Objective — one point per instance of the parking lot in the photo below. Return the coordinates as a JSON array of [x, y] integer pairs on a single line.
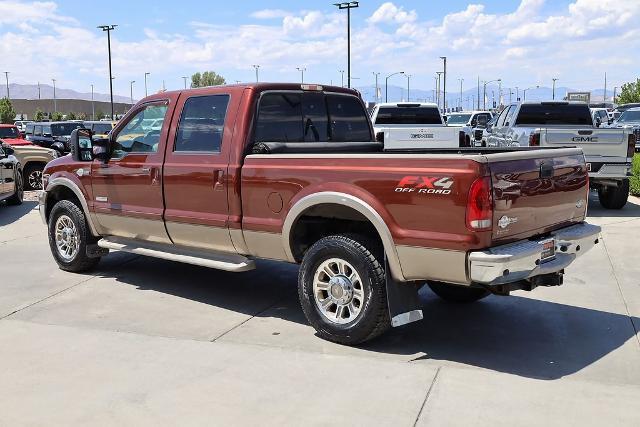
[[147, 340]]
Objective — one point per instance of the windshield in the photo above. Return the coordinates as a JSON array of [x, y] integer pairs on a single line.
[[555, 114], [629, 116], [9, 132], [408, 116], [62, 129], [458, 119]]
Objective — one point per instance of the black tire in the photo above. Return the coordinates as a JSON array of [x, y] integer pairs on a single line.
[[614, 197], [18, 196], [33, 176], [80, 261], [458, 294], [367, 260]]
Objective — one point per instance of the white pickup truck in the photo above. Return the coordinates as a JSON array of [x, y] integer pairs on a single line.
[[608, 152], [403, 126]]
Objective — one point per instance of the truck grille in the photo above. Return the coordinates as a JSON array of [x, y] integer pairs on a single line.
[[477, 134]]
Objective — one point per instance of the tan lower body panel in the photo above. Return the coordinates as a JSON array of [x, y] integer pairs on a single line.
[[433, 264], [133, 228], [265, 245], [200, 236]]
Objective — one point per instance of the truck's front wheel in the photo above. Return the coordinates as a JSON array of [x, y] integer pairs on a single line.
[[69, 236], [458, 294], [342, 290], [614, 197]]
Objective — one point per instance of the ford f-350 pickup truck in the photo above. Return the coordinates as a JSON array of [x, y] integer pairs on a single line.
[[608, 152], [292, 172]]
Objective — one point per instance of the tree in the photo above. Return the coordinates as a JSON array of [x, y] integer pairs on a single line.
[[71, 115], [208, 78], [99, 114], [7, 113], [57, 116], [82, 116], [39, 115], [630, 93]]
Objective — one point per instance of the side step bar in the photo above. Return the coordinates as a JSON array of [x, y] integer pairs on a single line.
[[205, 258]]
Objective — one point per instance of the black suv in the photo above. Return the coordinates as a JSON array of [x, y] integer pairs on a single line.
[[11, 185], [46, 134]]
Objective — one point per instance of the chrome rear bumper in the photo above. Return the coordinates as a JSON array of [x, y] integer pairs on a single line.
[[522, 260]]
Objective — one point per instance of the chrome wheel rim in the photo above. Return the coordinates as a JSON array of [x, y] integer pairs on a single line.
[[35, 180], [67, 238], [338, 291]]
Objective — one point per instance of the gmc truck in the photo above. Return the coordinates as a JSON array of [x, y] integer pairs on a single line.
[[293, 173], [405, 125], [608, 152]]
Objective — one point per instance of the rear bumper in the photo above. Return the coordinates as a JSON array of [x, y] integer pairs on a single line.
[[521, 260], [603, 170]]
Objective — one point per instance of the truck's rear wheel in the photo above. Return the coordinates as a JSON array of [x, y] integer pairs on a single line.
[[33, 176], [342, 290], [69, 236], [458, 294], [614, 197]]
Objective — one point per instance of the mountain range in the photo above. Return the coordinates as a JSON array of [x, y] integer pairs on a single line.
[[19, 91]]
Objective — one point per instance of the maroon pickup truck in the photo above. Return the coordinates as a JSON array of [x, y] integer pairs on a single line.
[[223, 175]]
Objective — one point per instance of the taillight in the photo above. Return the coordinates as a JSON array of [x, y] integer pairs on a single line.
[[631, 148], [480, 205], [534, 139]]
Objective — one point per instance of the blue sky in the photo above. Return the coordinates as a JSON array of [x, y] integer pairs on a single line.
[[525, 42]]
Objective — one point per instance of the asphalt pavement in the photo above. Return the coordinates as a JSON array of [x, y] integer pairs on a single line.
[[150, 342]]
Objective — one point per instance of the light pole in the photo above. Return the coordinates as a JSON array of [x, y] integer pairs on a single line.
[[348, 5], [525, 91], [438, 86], [38, 90], [342, 77], [408, 86], [461, 81], [386, 85], [444, 91], [131, 83], [376, 94], [93, 108], [6, 76], [55, 101], [145, 84], [517, 94], [478, 93], [184, 78], [499, 93], [553, 91], [484, 93], [256, 67], [302, 70], [615, 89], [108, 29], [605, 87]]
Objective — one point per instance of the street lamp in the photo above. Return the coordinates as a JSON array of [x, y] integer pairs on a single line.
[[184, 78], [342, 77], [348, 5], [438, 86], [55, 101], [386, 85], [408, 86], [131, 83], [256, 67], [302, 70], [93, 108], [525, 91], [6, 76], [615, 89], [484, 93], [553, 91], [444, 92], [461, 81], [376, 94], [108, 29], [145, 84]]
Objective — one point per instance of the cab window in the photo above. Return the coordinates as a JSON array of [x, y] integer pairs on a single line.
[[37, 131], [201, 124], [142, 133]]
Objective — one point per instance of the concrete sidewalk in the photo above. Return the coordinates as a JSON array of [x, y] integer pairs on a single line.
[[144, 341]]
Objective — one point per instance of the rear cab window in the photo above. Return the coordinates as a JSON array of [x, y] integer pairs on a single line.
[[408, 116], [201, 124], [554, 114]]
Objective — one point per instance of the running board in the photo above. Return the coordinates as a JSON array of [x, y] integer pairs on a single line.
[[204, 258]]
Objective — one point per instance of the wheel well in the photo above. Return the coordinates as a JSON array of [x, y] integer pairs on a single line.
[[35, 163], [325, 220], [58, 193]]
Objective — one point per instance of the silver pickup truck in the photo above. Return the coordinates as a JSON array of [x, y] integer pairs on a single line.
[[608, 152]]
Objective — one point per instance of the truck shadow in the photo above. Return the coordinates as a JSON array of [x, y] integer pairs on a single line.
[[516, 335], [630, 210], [10, 214]]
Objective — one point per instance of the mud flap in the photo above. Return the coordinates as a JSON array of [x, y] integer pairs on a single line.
[[403, 300]]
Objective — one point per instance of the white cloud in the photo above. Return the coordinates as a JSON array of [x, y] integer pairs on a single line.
[[390, 13], [270, 14]]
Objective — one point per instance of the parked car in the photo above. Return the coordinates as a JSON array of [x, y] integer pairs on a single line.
[[22, 125], [468, 121], [413, 126], [53, 135], [600, 117], [569, 123], [99, 128], [630, 119], [481, 132], [33, 159], [11, 188], [624, 107], [11, 135], [292, 173]]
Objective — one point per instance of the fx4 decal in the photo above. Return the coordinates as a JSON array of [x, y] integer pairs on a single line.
[[425, 185]]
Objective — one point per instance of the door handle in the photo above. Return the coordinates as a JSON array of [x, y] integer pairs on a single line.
[[218, 180], [146, 171]]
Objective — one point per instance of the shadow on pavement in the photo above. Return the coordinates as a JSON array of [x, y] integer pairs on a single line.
[[10, 214], [630, 210], [516, 335]]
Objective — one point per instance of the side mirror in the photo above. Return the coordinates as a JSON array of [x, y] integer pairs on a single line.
[[8, 150], [81, 145], [482, 121], [598, 122], [380, 137]]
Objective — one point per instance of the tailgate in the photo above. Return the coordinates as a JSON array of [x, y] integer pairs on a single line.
[[594, 142], [537, 191], [421, 137]]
